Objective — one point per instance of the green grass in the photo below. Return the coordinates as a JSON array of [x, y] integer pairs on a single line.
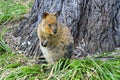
[[13, 9], [3, 46], [17, 66]]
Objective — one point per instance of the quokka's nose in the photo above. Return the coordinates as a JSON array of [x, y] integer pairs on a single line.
[[54, 31]]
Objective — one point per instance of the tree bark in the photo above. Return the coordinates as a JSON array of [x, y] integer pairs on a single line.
[[94, 24]]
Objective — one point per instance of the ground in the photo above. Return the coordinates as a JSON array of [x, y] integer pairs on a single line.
[[16, 66]]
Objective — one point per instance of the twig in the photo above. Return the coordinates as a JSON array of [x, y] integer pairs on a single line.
[[51, 73]]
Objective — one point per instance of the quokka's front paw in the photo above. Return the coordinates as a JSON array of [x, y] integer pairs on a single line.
[[44, 44]]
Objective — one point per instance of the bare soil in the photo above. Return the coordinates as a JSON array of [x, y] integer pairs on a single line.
[[8, 37]]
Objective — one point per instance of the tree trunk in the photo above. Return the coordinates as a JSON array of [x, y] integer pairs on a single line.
[[94, 24]]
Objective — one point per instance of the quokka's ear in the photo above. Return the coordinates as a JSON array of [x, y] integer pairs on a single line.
[[44, 14], [57, 13]]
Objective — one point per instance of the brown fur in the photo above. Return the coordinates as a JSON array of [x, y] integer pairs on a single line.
[[54, 45]]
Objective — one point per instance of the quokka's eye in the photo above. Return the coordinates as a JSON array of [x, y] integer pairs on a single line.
[[49, 25]]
